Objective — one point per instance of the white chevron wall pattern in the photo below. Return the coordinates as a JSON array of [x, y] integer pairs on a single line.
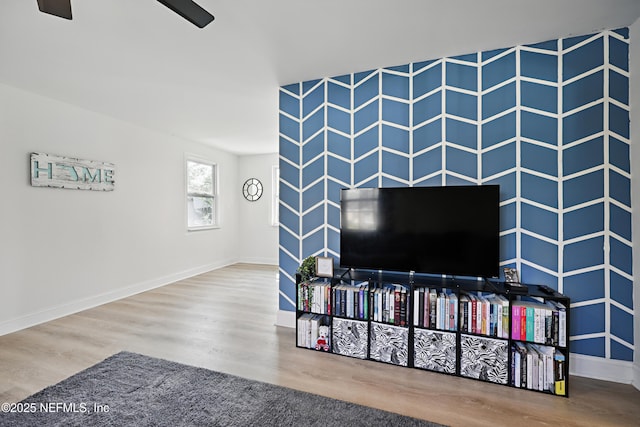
[[548, 122]]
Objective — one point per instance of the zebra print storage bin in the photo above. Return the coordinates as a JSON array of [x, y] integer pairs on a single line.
[[389, 344], [484, 358], [435, 350], [350, 338]]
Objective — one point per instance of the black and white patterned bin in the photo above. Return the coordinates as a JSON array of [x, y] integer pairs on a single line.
[[389, 344], [350, 338], [434, 350], [484, 359]]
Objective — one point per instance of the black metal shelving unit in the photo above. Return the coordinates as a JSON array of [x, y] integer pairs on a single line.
[[482, 356]]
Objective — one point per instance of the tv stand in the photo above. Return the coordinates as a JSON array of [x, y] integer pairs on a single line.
[[481, 329]]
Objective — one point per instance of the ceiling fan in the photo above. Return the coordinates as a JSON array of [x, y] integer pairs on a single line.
[[188, 9]]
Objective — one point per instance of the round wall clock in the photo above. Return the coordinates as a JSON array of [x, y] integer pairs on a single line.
[[252, 189]]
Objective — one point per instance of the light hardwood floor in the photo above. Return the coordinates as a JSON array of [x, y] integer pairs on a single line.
[[224, 320]]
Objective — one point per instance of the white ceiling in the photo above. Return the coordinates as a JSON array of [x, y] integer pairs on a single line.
[[137, 61]]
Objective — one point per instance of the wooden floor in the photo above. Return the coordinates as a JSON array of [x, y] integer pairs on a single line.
[[224, 320]]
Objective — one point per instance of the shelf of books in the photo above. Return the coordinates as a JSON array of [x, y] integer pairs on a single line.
[[539, 344], [350, 324], [471, 329], [313, 315], [389, 331], [435, 314]]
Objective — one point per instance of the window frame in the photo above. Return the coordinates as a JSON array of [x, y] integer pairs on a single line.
[[215, 197]]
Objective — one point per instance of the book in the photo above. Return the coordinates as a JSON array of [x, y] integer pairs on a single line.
[[464, 313], [505, 316], [473, 314], [515, 371], [418, 307], [529, 375], [433, 297], [515, 322], [441, 310], [365, 301], [495, 323], [444, 322], [562, 324], [426, 314], [559, 375], [483, 306], [314, 323], [523, 322], [529, 323], [397, 305], [453, 312], [391, 304], [329, 307], [522, 351], [403, 307]]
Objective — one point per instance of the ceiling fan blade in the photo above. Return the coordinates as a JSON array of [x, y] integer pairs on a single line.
[[190, 11], [61, 8]]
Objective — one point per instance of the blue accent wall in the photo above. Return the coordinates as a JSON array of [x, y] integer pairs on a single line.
[[547, 122]]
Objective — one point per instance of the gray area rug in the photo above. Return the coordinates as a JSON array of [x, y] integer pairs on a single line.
[[130, 389]]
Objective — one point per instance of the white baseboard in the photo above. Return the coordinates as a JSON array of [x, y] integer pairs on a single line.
[[636, 375], [263, 261], [602, 369], [286, 319], [62, 310]]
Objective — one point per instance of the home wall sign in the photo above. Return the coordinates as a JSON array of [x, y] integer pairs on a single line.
[[65, 172]]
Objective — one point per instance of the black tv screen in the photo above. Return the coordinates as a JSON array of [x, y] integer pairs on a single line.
[[452, 230]]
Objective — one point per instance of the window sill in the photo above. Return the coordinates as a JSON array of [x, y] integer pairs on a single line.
[[203, 228]]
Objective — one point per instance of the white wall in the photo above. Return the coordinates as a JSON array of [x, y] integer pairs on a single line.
[[634, 97], [66, 250], [259, 238]]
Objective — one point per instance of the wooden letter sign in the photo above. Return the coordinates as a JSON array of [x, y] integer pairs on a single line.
[[65, 172]]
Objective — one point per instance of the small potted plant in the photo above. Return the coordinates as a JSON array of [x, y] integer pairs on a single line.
[[307, 269]]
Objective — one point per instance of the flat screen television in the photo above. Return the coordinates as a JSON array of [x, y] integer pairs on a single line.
[[451, 230]]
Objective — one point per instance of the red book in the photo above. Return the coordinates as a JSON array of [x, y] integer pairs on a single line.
[[523, 322], [515, 322], [474, 314]]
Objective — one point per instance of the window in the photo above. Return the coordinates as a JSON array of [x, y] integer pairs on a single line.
[[275, 196], [201, 195]]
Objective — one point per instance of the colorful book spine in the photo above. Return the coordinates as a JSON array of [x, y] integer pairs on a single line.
[[453, 311], [474, 314], [505, 317], [530, 323], [418, 307], [559, 374], [515, 322]]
